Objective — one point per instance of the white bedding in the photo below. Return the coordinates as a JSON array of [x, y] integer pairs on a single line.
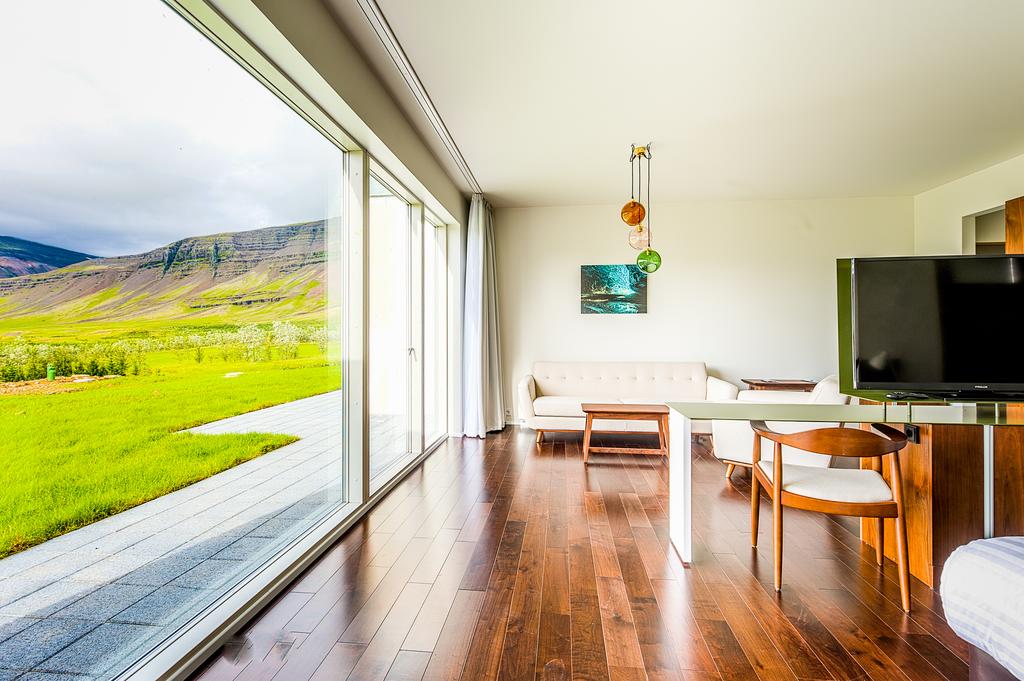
[[983, 596]]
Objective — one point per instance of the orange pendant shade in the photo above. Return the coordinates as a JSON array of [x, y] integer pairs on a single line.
[[633, 213]]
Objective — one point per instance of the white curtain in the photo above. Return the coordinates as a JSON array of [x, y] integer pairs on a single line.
[[483, 407]]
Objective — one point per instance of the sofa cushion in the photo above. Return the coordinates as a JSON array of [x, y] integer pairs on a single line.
[[565, 405], [652, 400], [609, 381]]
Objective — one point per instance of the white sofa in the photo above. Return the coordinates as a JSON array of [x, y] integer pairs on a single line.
[[549, 399], [733, 441]]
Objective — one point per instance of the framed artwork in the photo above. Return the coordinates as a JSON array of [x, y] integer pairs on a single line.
[[612, 289]]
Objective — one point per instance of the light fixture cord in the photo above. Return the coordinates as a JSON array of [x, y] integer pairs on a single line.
[[650, 241], [640, 180]]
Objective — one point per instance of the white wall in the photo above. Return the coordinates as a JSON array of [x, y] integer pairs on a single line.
[[940, 212], [747, 287], [991, 227]]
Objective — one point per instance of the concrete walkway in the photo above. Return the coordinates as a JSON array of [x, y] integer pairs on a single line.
[[86, 604]]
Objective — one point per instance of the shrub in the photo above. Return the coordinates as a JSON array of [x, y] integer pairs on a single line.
[[287, 337]]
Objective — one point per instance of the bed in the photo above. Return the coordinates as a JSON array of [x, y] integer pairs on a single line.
[[983, 597]]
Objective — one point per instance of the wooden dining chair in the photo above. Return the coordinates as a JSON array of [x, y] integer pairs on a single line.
[[839, 491]]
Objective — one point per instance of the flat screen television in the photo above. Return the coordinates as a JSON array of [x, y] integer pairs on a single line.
[[946, 327]]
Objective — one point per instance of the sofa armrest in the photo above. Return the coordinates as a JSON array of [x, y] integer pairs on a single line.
[[526, 393], [774, 396], [720, 391]]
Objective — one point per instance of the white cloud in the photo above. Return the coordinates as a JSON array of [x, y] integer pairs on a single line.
[[123, 128]]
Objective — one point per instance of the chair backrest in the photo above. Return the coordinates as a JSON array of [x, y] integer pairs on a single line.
[[852, 442]]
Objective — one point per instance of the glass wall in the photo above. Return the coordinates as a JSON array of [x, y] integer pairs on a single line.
[[188, 294], [170, 336]]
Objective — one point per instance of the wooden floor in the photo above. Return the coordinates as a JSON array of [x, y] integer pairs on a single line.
[[507, 560]]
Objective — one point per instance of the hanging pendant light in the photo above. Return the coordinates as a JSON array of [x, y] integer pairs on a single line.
[[638, 238], [649, 260], [633, 212]]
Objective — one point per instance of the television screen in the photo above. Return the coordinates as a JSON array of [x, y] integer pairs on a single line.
[[945, 325]]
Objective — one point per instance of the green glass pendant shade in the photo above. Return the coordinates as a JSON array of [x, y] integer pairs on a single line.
[[648, 261]]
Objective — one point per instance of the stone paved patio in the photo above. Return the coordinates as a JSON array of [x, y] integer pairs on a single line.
[[82, 605]]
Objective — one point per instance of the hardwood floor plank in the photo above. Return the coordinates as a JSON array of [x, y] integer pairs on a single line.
[[726, 650], [589, 661], [554, 648], [364, 624], [353, 575], [869, 656], [479, 571], [431, 619], [688, 644], [620, 638], [435, 558], [602, 541], [409, 665], [635, 513], [519, 647], [453, 644], [382, 650], [786, 638], [651, 632], [486, 650], [339, 662]]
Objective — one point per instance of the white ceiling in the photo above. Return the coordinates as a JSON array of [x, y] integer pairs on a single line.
[[741, 98]]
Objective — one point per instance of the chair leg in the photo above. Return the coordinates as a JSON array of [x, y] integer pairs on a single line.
[[777, 532], [540, 436], [880, 540], [903, 562], [755, 507], [729, 468]]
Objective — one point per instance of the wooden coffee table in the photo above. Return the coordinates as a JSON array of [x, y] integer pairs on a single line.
[[626, 412]]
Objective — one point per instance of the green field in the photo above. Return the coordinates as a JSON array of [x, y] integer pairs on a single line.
[[70, 458]]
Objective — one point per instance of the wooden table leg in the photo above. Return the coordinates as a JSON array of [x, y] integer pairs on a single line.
[[664, 428], [586, 438]]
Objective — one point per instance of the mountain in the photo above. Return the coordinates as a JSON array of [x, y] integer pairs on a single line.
[[257, 275], [20, 256]]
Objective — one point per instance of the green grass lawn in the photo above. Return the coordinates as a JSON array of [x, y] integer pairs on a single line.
[[69, 459]]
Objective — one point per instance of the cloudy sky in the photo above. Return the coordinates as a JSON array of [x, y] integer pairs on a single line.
[[123, 129]]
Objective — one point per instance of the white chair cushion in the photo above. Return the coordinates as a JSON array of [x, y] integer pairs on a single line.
[[855, 486], [827, 392], [565, 405]]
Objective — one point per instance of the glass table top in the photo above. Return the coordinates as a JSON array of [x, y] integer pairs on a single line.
[[980, 414]]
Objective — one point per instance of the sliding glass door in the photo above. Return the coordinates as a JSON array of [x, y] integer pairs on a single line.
[[393, 352]]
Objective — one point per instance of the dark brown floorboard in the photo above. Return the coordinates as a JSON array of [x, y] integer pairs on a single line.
[[503, 559]]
